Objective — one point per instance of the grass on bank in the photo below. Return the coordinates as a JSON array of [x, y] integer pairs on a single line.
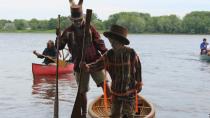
[[29, 31], [100, 31]]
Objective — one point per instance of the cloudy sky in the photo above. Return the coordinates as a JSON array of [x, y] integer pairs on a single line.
[[45, 9]]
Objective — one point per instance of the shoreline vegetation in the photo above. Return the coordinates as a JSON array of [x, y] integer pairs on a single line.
[[196, 22], [101, 32]]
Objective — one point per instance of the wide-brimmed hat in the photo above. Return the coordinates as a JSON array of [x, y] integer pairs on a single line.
[[118, 33], [76, 12]]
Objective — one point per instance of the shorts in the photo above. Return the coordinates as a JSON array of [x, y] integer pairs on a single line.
[[98, 78]]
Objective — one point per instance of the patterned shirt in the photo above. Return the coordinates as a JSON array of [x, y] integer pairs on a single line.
[[123, 66]]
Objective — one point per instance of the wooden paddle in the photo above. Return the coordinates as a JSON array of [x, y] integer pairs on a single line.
[[56, 102], [76, 113], [61, 63]]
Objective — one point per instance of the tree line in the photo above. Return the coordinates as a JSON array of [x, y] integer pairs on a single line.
[[197, 22]]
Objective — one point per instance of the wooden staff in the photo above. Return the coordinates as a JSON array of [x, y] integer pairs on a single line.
[[76, 113], [56, 103]]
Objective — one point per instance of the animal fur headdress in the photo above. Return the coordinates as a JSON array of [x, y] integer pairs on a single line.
[[76, 9]]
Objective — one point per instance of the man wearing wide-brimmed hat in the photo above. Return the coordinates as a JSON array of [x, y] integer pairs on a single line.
[[124, 68], [73, 36]]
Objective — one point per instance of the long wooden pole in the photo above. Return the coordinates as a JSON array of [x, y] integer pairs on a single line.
[[56, 104], [76, 112]]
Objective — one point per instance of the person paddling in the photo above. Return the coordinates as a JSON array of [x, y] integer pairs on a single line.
[[50, 51], [203, 46]]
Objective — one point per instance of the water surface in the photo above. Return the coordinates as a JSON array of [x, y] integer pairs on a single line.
[[175, 80]]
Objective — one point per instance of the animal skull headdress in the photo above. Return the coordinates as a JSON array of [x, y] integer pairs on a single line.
[[76, 9], [72, 3]]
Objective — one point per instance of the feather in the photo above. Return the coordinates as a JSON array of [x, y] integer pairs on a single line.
[[71, 2], [80, 2]]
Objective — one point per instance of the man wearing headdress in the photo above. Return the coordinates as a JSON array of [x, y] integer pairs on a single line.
[[73, 36], [124, 68]]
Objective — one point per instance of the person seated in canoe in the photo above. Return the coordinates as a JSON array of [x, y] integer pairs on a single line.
[[203, 46], [48, 54], [124, 67]]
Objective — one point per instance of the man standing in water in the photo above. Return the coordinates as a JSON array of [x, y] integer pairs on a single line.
[[73, 36], [124, 68]]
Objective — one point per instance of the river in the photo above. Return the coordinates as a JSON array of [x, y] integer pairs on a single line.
[[175, 80]]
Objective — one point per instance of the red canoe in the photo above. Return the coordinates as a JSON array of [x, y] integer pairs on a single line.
[[40, 69]]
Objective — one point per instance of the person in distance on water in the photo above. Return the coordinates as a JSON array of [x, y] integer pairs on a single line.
[[203, 46], [50, 51]]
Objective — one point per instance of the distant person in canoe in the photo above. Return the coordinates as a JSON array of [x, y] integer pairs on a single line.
[[50, 51], [203, 46], [124, 67], [73, 37]]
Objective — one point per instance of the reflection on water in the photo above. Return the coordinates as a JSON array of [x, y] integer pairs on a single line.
[[175, 80], [44, 86]]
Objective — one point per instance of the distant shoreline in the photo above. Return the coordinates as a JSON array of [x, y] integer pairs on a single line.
[[29, 31], [196, 22], [100, 31]]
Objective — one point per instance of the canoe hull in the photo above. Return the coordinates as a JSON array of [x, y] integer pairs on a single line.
[[205, 57], [39, 69], [97, 110]]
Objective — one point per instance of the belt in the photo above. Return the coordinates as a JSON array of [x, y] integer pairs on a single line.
[[125, 93]]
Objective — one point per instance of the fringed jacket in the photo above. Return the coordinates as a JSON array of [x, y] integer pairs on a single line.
[[124, 68], [73, 37]]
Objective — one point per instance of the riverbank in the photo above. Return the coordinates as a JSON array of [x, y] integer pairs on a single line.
[[100, 31], [29, 31]]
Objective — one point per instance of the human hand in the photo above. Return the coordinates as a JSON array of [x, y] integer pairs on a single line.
[[84, 66], [139, 86], [34, 52], [57, 31]]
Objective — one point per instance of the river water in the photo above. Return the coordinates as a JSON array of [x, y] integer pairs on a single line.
[[175, 80]]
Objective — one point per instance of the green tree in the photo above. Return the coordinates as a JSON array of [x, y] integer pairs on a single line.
[[10, 27], [42, 25], [52, 23], [166, 24], [135, 22], [38, 24], [21, 24], [197, 22], [65, 22], [97, 22], [3, 22], [33, 23]]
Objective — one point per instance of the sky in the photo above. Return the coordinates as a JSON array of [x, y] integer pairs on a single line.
[[46, 9]]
